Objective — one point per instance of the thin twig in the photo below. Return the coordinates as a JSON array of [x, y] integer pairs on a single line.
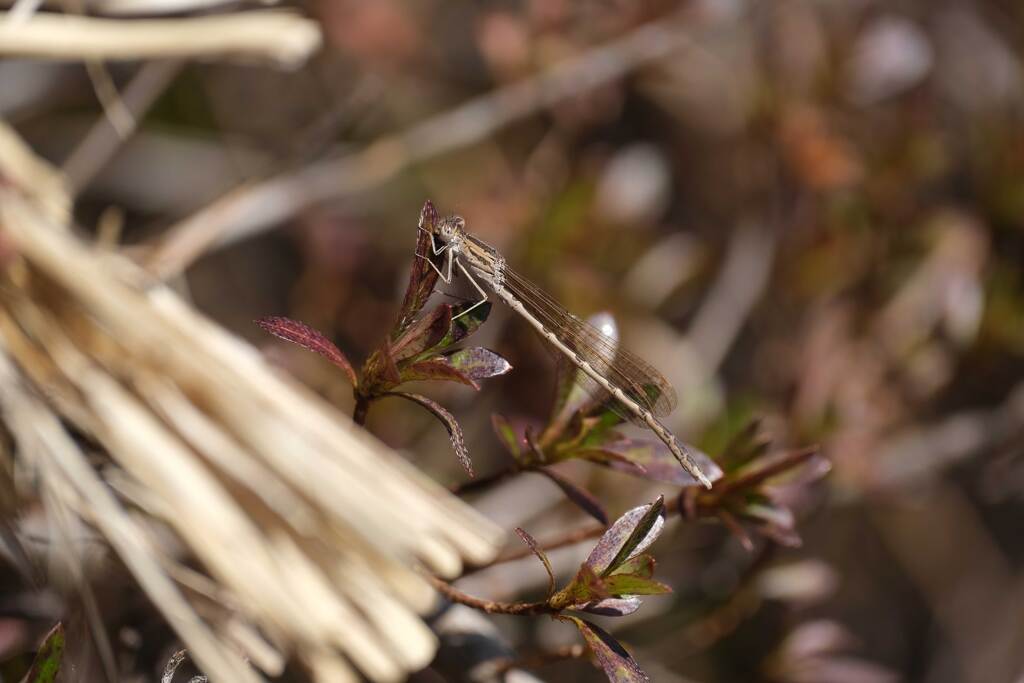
[[489, 606], [252, 209], [570, 537], [105, 137]]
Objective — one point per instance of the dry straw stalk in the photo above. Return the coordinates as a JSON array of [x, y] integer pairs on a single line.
[[310, 529]]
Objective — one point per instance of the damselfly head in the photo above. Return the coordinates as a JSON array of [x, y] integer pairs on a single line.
[[449, 227]]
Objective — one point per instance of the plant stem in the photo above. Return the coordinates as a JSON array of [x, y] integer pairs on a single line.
[[361, 409], [489, 606]]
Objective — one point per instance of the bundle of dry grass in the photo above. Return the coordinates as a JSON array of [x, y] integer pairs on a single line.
[[309, 531]]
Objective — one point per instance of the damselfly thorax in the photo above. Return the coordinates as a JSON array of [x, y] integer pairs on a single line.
[[640, 391]]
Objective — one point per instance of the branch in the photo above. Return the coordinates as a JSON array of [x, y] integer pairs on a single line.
[[105, 138], [489, 606]]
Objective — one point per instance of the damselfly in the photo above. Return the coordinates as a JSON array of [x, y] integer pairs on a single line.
[[630, 381]]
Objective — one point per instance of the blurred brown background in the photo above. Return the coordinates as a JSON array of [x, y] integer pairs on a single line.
[[806, 210]]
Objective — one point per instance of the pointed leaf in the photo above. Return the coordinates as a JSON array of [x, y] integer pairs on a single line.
[[478, 363], [584, 433], [736, 529], [585, 588], [46, 665], [631, 534], [611, 607], [506, 434], [422, 336], [465, 325], [436, 369], [640, 565], [653, 458], [531, 543], [438, 330], [580, 497], [446, 418], [748, 444], [628, 584], [607, 457], [768, 467], [422, 277], [618, 665], [309, 339]]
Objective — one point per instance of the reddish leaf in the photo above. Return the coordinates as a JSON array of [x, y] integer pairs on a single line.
[[436, 369], [736, 530], [438, 330], [631, 534], [446, 418], [531, 543], [424, 334], [618, 665], [611, 607], [653, 458], [581, 497], [309, 339], [422, 277], [478, 363]]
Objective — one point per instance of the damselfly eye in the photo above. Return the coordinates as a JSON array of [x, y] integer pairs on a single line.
[[450, 225]]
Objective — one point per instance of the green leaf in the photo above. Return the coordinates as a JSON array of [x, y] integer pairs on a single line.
[[630, 584], [531, 543], [640, 565], [47, 662], [618, 665], [584, 433]]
